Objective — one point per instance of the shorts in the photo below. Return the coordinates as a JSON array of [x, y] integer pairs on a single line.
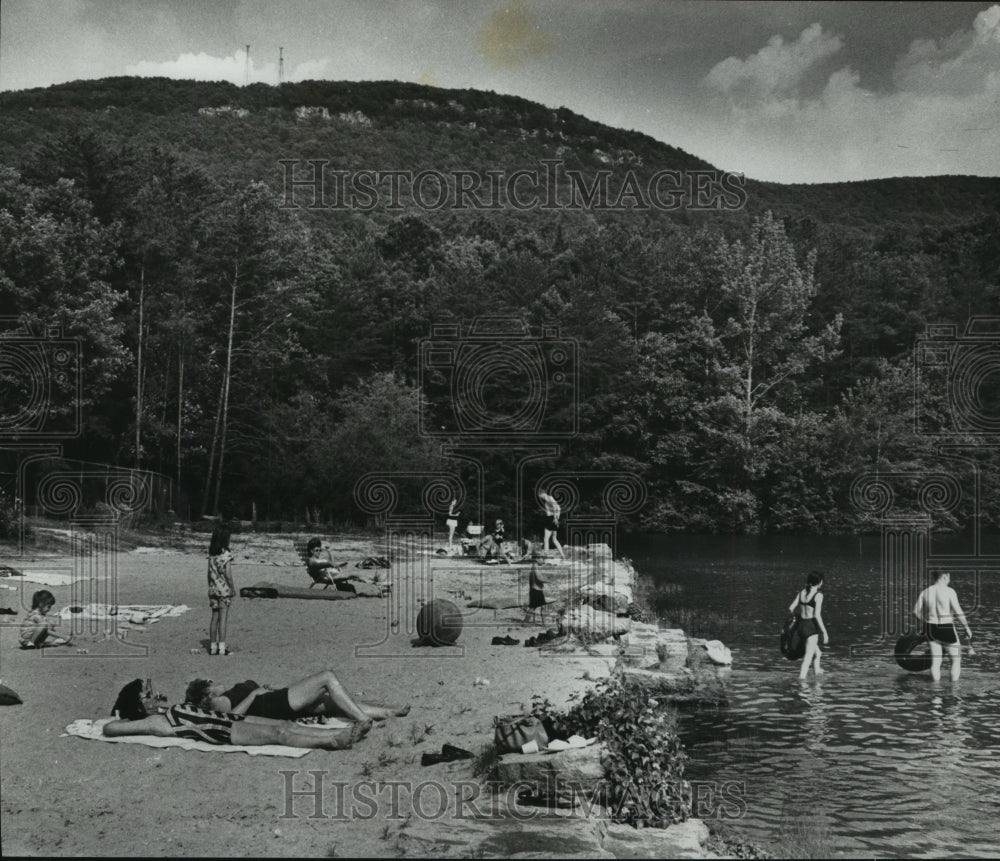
[[451, 523], [808, 628], [274, 705], [550, 524], [946, 635], [201, 724]]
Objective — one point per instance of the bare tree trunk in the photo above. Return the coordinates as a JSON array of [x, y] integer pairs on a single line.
[[211, 455], [139, 371], [180, 416], [163, 414], [226, 379]]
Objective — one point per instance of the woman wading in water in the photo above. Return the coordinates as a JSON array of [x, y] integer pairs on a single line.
[[809, 602]]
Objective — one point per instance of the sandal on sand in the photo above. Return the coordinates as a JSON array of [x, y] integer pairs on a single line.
[[449, 753]]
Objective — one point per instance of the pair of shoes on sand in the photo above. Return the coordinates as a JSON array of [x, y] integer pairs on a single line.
[[504, 641], [449, 753]]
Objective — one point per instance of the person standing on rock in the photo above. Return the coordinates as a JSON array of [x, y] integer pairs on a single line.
[[452, 522], [551, 527], [809, 602], [938, 606]]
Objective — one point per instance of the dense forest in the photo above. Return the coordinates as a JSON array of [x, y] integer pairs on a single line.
[[749, 364]]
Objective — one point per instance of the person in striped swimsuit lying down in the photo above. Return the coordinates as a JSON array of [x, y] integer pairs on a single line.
[[197, 724]]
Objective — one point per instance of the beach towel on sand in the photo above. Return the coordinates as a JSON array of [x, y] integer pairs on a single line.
[[92, 729], [124, 614]]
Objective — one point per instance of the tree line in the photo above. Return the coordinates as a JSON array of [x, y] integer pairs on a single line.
[[747, 365]]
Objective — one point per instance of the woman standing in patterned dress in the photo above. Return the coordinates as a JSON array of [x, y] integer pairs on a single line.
[[220, 583]]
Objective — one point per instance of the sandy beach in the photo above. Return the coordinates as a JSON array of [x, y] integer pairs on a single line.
[[70, 796]]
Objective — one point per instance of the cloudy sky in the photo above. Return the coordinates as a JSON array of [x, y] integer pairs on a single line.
[[790, 92]]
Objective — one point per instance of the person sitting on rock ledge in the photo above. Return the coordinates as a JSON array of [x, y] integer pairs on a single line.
[[492, 545], [197, 724], [318, 694]]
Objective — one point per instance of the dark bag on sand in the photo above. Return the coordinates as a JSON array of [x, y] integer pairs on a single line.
[[793, 646], [9, 697], [129, 705], [510, 734]]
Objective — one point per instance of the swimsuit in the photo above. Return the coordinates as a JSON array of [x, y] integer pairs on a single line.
[[273, 704], [808, 627], [946, 635], [201, 724]]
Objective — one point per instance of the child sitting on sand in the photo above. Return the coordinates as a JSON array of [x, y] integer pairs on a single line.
[[35, 629]]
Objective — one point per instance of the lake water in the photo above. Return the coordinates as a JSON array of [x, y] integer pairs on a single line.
[[874, 760]]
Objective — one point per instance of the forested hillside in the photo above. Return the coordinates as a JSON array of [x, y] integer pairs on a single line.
[[748, 363]]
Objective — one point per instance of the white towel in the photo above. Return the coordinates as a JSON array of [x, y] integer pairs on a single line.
[[52, 578], [130, 614], [92, 729]]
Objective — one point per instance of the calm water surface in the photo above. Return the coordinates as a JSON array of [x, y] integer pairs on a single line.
[[884, 762]]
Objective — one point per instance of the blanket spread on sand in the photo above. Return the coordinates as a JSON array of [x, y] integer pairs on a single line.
[[92, 729], [125, 614], [53, 578]]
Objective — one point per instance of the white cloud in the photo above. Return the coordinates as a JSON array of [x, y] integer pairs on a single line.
[[311, 70], [776, 69], [205, 67], [960, 65], [202, 67], [942, 116]]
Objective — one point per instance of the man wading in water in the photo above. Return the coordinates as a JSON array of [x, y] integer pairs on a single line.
[[938, 606]]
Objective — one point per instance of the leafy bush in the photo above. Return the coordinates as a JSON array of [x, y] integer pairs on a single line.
[[644, 766]]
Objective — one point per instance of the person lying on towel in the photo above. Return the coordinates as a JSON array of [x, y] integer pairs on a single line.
[[197, 724], [318, 694]]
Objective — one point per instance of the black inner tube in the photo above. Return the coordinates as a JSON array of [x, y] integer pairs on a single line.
[[911, 653]]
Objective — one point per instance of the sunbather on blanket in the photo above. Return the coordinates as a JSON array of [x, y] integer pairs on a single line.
[[190, 722], [318, 694]]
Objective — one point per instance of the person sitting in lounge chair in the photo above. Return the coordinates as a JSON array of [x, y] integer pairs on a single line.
[[320, 565], [491, 544]]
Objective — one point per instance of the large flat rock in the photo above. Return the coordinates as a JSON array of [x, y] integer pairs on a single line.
[[695, 689], [683, 840]]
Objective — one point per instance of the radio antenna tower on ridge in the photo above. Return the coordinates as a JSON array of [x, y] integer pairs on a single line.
[[246, 68], [281, 66]]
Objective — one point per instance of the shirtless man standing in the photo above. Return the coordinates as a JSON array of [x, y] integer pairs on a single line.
[[550, 530], [938, 606]]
